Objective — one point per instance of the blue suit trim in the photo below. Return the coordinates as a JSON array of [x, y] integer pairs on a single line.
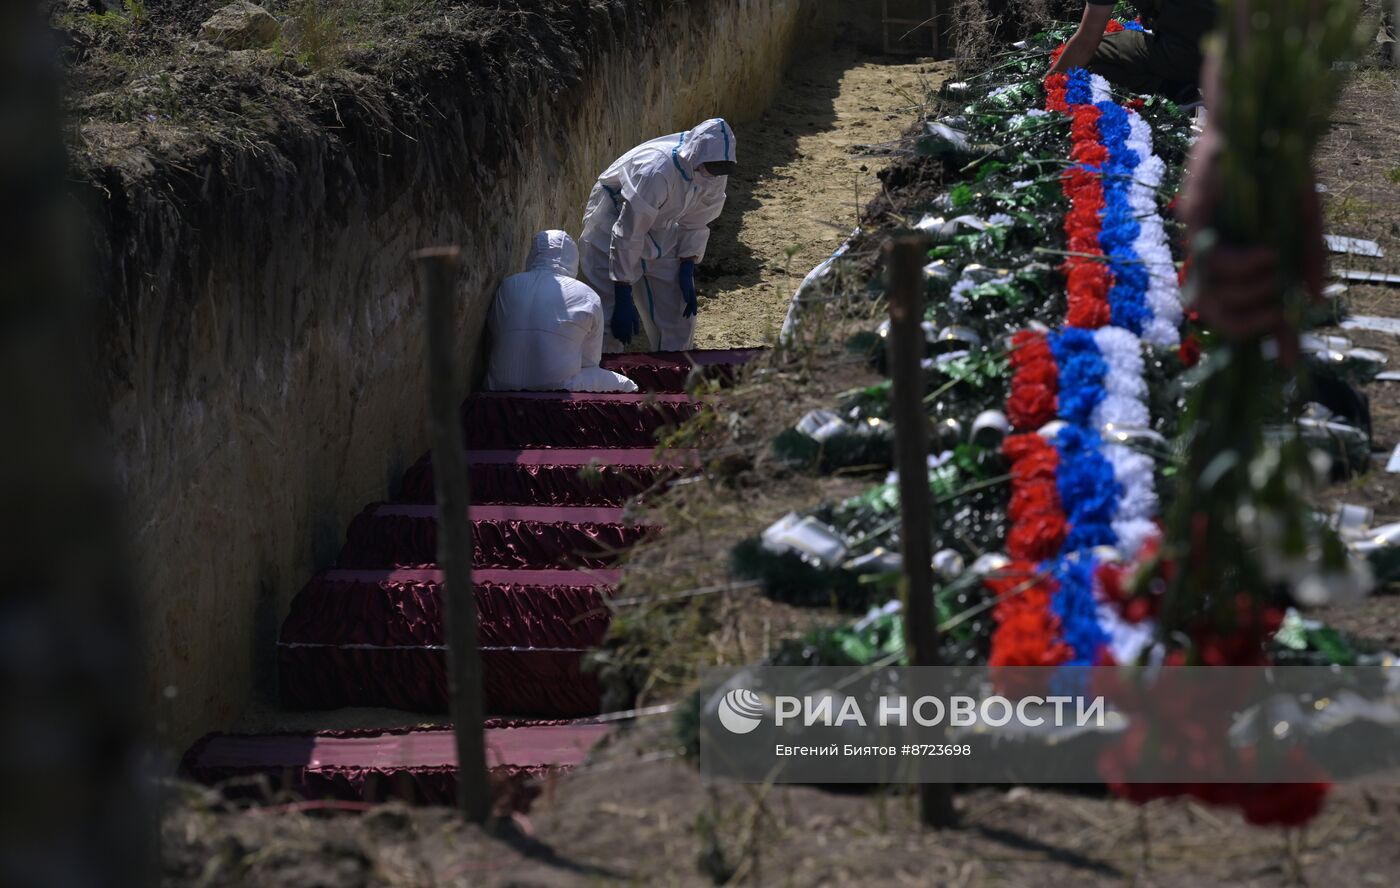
[[676, 158], [613, 194]]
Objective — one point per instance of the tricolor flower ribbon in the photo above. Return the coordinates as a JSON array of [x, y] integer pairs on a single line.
[[1120, 269], [1072, 491], [1075, 492]]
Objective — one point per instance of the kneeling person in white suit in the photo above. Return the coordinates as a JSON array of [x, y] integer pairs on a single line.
[[646, 228], [547, 327]]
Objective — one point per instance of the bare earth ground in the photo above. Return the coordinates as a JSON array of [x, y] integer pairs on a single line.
[[806, 170], [1360, 167], [637, 814]]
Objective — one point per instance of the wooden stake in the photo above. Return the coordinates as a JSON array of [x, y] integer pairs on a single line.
[[437, 273], [905, 259]]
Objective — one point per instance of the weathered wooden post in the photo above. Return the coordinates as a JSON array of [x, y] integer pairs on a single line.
[[904, 259], [437, 272]]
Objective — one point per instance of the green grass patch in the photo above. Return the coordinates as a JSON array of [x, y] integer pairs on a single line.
[[321, 34], [116, 22], [1346, 208]]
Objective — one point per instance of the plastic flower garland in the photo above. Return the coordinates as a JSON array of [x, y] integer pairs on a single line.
[[1118, 272], [1120, 269], [1083, 507], [1094, 380], [1078, 612]]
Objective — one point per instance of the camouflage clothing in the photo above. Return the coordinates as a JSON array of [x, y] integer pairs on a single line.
[[1167, 61]]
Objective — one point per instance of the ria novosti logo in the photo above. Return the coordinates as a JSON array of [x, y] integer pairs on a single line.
[[741, 711]]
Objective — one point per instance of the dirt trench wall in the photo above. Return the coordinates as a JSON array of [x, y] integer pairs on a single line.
[[264, 349]]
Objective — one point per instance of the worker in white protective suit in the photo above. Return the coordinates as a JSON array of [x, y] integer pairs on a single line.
[[547, 326], [646, 227]]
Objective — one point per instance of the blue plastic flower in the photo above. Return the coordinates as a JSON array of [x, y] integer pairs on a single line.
[[1127, 299], [1078, 90], [1081, 371], [1075, 606], [1087, 487]]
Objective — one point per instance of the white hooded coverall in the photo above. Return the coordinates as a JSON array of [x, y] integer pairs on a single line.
[[547, 327], [649, 210]]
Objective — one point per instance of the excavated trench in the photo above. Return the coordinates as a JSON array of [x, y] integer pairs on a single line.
[[263, 330], [263, 340], [818, 147]]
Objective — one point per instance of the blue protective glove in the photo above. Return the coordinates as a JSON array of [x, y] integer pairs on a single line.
[[687, 282], [626, 323]]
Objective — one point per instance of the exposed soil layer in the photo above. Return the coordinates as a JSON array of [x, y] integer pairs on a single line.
[[150, 95], [809, 169]]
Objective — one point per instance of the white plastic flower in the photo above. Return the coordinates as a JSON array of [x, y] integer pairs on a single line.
[[1099, 89]]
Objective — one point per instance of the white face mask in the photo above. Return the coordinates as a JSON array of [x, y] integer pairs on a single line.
[[704, 172]]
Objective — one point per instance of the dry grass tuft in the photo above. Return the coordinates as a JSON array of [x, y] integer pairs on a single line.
[[983, 28], [681, 611]]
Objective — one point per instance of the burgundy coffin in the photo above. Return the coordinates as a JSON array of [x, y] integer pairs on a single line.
[[505, 420], [374, 638], [669, 371], [520, 537], [372, 766], [554, 476]]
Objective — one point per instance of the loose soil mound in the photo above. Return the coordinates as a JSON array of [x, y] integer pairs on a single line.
[[146, 91]]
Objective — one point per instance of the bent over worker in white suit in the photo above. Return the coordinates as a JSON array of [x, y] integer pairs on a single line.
[[547, 327], [646, 228]]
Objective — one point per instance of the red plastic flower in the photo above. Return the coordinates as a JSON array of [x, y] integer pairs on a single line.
[[1032, 499], [1027, 632], [1034, 381], [1031, 405], [1037, 538], [1190, 350], [1055, 86], [1038, 525]]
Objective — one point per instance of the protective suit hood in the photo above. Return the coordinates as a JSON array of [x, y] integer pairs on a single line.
[[711, 140], [553, 251]]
